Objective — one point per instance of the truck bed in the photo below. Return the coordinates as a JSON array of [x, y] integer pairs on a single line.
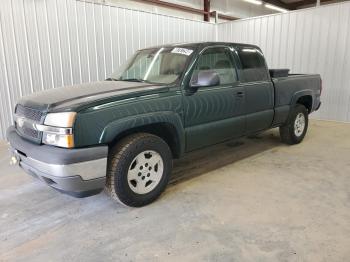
[[287, 87]]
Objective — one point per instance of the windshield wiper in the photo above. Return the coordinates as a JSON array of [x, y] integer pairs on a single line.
[[133, 80], [111, 79]]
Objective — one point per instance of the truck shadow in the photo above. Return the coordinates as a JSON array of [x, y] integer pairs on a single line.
[[202, 161]]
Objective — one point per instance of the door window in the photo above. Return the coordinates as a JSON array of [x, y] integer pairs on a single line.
[[217, 59]]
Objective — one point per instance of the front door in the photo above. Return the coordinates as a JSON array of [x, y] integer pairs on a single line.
[[216, 113]]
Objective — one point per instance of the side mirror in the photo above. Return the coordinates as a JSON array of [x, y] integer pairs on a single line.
[[205, 78]]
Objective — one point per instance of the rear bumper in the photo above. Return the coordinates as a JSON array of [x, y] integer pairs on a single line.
[[77, 172]]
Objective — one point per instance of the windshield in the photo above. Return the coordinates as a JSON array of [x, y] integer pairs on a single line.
[[158, 65]]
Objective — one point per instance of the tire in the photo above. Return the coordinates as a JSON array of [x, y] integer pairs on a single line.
[[294, 131], [139, 167]]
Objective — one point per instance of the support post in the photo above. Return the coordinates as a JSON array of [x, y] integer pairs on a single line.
[[216, 17], [206, 4]]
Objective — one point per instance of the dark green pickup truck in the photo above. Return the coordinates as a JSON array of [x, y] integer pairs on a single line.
[[122, 133]]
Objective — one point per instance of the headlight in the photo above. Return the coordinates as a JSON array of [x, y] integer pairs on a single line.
[[57, 129], [65, 119]]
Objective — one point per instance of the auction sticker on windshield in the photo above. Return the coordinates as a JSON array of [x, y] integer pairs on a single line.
[[182, 51]]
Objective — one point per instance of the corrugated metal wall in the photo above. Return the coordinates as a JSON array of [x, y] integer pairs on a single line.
[[50, 43], [315, 40]]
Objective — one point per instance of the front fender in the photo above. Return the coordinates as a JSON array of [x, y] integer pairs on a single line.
[[113, 129]]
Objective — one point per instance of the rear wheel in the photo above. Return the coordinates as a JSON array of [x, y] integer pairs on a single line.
[[138, 170], [294, 131]]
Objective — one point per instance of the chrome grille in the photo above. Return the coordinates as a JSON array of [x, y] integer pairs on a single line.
[[32, 115], [30, 132], [29, 113]]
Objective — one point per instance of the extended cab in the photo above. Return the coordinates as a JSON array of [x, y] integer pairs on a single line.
[[122, 133]]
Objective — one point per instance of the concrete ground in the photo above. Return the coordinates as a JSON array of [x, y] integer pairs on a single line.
[[250, 200]]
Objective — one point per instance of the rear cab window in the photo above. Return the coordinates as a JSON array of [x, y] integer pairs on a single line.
[[253, 64]]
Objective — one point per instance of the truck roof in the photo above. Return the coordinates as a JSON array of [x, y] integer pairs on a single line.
[[201, 44]]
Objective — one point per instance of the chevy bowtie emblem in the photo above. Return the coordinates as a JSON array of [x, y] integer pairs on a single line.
[[20, 121]]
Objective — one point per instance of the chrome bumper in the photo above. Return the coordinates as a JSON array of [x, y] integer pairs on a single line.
[[78, 172]]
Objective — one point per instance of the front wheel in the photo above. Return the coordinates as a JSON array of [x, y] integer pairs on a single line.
[[294, 131], [139, 169]]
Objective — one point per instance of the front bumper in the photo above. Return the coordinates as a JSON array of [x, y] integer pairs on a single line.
[[77, 172]]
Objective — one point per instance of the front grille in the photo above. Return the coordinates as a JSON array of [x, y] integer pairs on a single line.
[[32, 114], [30, 132]]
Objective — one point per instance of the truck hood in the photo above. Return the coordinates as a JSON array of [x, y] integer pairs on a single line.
[[72, 97]]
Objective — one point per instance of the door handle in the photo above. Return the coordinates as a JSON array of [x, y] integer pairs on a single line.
[[240, 94]]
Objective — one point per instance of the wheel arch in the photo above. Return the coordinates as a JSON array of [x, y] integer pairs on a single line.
[[304, 98], [166, 125]]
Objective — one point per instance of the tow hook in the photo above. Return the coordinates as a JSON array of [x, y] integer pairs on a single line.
[[13, 161]]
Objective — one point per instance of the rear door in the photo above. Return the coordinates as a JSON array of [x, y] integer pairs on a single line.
[[216, 113], [258, 89]]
